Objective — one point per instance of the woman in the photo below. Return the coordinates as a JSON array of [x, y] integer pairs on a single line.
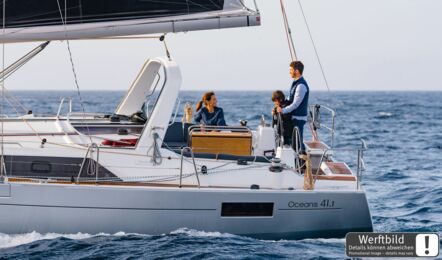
[[279, 100], [210, 114]]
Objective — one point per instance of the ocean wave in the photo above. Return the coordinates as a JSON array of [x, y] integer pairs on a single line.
[[13, 240], [7, 241], [383, 115], [418, 211], [325, 240], [198, 233]]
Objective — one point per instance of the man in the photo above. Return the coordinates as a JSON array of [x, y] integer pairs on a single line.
[[298, 100]]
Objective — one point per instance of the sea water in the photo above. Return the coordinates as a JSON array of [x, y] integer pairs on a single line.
[[403, 177]]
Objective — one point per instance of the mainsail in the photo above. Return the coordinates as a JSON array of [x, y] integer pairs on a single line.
[[43, 20]]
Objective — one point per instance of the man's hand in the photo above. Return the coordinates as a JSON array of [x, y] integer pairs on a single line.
[[279, 109]]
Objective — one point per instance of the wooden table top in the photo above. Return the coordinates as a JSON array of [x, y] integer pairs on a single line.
[[221, 134]]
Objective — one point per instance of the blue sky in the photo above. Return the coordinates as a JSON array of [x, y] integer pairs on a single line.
[[364, 45]]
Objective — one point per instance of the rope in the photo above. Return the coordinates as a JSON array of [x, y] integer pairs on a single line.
[[12, 99], [281, 129], [156, 154], [314, 45]]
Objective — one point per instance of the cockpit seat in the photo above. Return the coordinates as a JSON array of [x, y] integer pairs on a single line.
[[176, 136]]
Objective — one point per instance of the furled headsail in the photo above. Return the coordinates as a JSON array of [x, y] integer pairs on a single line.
[[42, 20]]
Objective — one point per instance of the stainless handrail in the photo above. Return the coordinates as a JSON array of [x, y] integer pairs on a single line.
[[89, 114], [17, 143], [176, 111], [330, 128], [194, 166], [158, 97], [361, 164], [150, 94], [296, 137], [256, 6], [60, 107], [3, 173]]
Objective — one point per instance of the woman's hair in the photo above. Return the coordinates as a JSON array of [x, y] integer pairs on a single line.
[[278, 96], [204, 100]]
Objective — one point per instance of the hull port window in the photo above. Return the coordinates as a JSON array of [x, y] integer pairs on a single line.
[[247, 210], [41, 167]]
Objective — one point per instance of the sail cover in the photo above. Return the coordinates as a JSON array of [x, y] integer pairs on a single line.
[[38, 20]]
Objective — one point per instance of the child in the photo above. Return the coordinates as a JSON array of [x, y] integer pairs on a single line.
[[286, 128]]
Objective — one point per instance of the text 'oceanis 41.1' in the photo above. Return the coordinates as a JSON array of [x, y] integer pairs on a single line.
[[147, 173]]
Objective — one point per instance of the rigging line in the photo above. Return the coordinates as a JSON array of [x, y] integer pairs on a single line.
[[18, 115], [2, 158], [64, 21], [314, 45], [10, 104], [163, 39], [15, 100], [188, 8], [15, 67], [26, 122], [288, 32]]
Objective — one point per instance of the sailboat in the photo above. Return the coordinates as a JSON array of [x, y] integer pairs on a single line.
[[146, 172]]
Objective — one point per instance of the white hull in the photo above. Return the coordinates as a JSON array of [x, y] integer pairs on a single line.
[[93, 209]]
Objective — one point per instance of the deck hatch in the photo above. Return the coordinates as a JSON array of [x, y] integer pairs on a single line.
[[247, 209]]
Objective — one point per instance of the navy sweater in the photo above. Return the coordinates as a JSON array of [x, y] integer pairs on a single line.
[[206, 118]]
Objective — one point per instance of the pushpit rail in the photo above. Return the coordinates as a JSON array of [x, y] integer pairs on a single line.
[[360, 165]]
